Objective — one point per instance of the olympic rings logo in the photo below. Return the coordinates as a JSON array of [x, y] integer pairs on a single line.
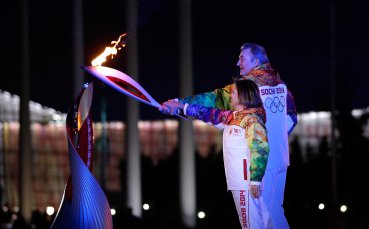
[[275, 104]]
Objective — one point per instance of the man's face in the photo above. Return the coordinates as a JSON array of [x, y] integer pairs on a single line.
[[246, 62]]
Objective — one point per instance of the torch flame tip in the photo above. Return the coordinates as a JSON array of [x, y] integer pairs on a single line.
[[110, 51]]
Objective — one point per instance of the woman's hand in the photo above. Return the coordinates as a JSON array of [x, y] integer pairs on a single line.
[[255, 191]]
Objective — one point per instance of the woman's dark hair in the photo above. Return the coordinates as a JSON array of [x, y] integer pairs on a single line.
[[248, 93]]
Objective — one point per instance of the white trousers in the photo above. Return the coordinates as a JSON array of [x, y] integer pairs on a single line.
[[274, 182], [251, 211]]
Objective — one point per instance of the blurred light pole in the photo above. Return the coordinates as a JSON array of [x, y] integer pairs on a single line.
[[134, 193], [333, 100], [25, 157], [78, 47], [186, 141]]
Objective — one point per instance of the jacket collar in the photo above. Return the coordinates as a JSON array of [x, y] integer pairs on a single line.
[[264, 75], [260, 112]]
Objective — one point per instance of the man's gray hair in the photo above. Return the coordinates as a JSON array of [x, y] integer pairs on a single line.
[[258, 51]]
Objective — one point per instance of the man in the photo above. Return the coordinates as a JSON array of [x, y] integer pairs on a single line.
[[281, 119]]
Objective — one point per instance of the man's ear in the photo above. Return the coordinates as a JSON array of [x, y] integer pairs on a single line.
[[257, 61]]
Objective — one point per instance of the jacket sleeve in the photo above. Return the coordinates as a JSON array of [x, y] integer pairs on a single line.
[[256, 136], [219, 98], [209, 115], [291, 113]]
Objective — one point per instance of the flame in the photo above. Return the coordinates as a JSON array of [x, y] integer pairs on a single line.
[[109, 51]]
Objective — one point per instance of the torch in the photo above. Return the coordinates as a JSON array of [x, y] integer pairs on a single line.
[[119, 80]]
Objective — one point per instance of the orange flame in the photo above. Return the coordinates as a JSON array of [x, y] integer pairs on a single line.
[[109, 51]]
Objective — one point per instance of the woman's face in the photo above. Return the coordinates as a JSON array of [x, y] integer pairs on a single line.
[[234, 97]]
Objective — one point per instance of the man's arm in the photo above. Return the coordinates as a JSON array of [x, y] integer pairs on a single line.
[[209, 115], [219, 98], [206, 114], [291, 112]]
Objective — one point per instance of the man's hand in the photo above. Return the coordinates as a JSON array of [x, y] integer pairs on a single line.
[[164, 109], [255, 191], [171, 107]]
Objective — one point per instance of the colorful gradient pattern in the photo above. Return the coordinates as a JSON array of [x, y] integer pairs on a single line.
[[84, 204]]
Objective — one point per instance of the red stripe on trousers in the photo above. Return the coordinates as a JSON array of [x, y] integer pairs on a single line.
[[244, 169]]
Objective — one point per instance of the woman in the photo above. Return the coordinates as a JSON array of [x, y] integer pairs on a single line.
[[245, 147]]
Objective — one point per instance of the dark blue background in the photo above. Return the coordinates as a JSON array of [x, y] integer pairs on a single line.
[[296, 35]]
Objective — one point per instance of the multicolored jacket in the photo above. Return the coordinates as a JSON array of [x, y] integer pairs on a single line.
[[278, 104], [245, 143], [262, 75]]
